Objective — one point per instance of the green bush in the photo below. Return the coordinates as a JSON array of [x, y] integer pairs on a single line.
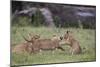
[[38, 19], [21, 21]]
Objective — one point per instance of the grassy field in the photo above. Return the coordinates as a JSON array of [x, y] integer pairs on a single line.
[[86, 37]]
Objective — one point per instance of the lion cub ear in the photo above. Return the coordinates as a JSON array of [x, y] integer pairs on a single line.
[[67, 31]]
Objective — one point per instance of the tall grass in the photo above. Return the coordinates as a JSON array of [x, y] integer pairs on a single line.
[[86, 37]]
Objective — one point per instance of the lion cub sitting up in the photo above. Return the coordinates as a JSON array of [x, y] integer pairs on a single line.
[[72, 42]]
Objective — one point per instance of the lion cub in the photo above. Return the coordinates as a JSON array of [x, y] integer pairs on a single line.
[[72, 42]]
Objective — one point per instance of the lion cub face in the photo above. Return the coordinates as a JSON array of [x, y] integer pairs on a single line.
[[57, 38], [66, 38]]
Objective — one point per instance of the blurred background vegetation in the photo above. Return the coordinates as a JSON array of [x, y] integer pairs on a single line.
[[58, 15]]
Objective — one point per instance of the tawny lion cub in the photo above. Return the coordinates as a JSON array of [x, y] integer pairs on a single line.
[[45, 44], [26, 46], [72, 42]]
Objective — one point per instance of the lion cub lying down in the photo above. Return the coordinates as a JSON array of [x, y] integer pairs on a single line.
[[45, 44], [25, 46]]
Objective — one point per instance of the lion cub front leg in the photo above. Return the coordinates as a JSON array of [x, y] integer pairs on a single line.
[[72, 51]]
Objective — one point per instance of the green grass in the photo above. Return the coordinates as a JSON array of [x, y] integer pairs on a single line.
[[86, 37]]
